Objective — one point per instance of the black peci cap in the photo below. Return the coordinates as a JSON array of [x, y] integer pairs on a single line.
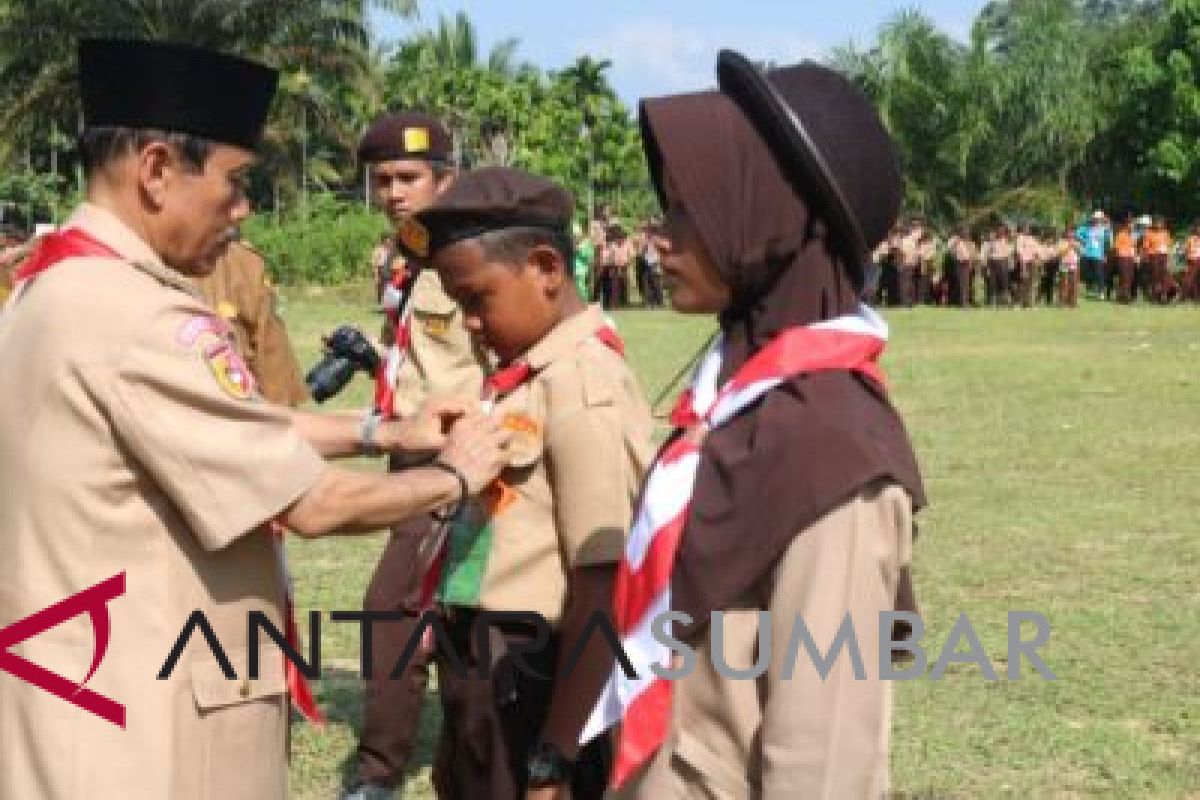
[[176, 88]]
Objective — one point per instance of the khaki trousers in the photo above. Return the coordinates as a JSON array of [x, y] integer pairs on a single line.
[[804, 736]]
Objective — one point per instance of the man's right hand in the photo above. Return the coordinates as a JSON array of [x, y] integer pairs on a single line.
[[476, 447]]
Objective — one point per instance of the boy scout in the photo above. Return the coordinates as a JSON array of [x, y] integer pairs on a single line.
[[240, 291], [962, 275], [139, 457], [408, 157], [548, 536], [998, 257]]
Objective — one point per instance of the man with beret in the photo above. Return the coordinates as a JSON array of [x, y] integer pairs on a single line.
[[150, 472], [546, 538], [408, 156], [239, 290]]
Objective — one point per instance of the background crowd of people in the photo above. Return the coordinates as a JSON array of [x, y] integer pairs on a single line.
[[1026, 265]]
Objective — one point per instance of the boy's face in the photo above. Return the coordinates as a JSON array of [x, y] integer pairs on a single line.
[[507, 308], [406, 186]]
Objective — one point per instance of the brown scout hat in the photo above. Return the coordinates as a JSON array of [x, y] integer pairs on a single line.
[[829, 142], [486, 200], [409, 134], [174, 88]]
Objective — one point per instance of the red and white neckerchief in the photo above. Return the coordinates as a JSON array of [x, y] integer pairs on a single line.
[[298, 687], [643, 585], [496, 386], [397, 305]]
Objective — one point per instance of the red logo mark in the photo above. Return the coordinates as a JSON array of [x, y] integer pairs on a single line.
[[94, 602]]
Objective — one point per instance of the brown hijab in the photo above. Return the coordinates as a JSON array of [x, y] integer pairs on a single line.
[[810, 444]]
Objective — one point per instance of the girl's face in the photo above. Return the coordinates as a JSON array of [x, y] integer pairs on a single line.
[[689, 274]]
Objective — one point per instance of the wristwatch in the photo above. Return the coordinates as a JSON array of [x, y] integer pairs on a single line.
[[547, 766], [367, 441]]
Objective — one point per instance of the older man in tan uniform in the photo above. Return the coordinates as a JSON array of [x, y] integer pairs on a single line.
[[239, 290], [140, 458]]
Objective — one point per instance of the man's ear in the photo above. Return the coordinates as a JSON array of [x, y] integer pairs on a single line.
[[156, 167], [549, 265]]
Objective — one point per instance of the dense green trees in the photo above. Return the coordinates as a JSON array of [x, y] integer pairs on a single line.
[[1049, 106]]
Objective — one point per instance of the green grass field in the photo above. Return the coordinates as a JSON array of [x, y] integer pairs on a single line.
[[1061, 453]]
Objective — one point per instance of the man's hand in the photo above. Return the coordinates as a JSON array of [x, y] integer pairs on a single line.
[[549, 793], [425, 431], [476, 447]]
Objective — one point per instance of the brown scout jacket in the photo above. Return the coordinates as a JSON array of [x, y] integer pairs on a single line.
[[240, 291]]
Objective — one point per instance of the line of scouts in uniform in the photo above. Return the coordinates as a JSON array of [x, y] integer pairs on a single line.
[[1021, 266], [485, 304]]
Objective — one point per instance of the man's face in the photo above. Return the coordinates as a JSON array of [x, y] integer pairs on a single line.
[[507, 308], [404, 187], [202, 208]]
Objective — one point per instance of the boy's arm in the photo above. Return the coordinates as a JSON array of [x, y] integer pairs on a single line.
[[576, 693], [594, 476]]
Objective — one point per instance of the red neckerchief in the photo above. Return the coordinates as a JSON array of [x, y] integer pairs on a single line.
[[54, 248]]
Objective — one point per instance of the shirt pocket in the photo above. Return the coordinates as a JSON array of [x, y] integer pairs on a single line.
[[240, 738], [433, 314]]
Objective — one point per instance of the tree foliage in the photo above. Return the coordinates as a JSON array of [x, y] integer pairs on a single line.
[[1049, 106]]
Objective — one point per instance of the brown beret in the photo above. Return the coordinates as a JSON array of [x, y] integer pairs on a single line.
[[409, 134], [486, 200]]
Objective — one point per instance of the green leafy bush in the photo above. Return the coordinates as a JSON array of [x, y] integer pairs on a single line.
[[329, 245]]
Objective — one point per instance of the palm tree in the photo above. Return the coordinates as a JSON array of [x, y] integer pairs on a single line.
[[37, 43]]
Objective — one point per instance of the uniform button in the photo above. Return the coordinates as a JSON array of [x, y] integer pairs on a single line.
[[244, 689]]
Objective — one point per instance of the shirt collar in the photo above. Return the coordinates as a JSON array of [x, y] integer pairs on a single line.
[[108, 228], [565, 337]]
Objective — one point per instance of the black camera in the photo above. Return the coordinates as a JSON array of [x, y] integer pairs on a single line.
[[346, 351]]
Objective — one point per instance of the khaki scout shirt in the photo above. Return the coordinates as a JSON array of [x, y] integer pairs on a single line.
[[910, 250], [581, 447], [962, 250], [128, 445], [999, 250], [442, 359], [240, 291]]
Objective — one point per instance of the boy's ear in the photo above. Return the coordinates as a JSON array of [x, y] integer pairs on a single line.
[[549, 264]]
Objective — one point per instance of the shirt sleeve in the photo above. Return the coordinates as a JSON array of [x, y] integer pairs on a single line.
[[591, 479], [181, 402]]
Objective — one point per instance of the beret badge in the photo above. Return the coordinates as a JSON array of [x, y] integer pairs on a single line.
[[415, 237], [416, 140]]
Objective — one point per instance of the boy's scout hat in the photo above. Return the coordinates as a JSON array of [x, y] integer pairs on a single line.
[[175, 88], [486, 200], [829, 142], [409, 134]]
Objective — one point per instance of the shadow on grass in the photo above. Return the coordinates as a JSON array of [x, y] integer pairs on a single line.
[[340, 696]]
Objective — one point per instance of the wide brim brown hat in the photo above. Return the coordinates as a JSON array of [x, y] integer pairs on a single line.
[[829, 142]]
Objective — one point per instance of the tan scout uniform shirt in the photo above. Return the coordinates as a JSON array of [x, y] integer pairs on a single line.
[[962, 250], [910, 250], [240, 291], [122, 452], [581, 448], [442, 359]]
